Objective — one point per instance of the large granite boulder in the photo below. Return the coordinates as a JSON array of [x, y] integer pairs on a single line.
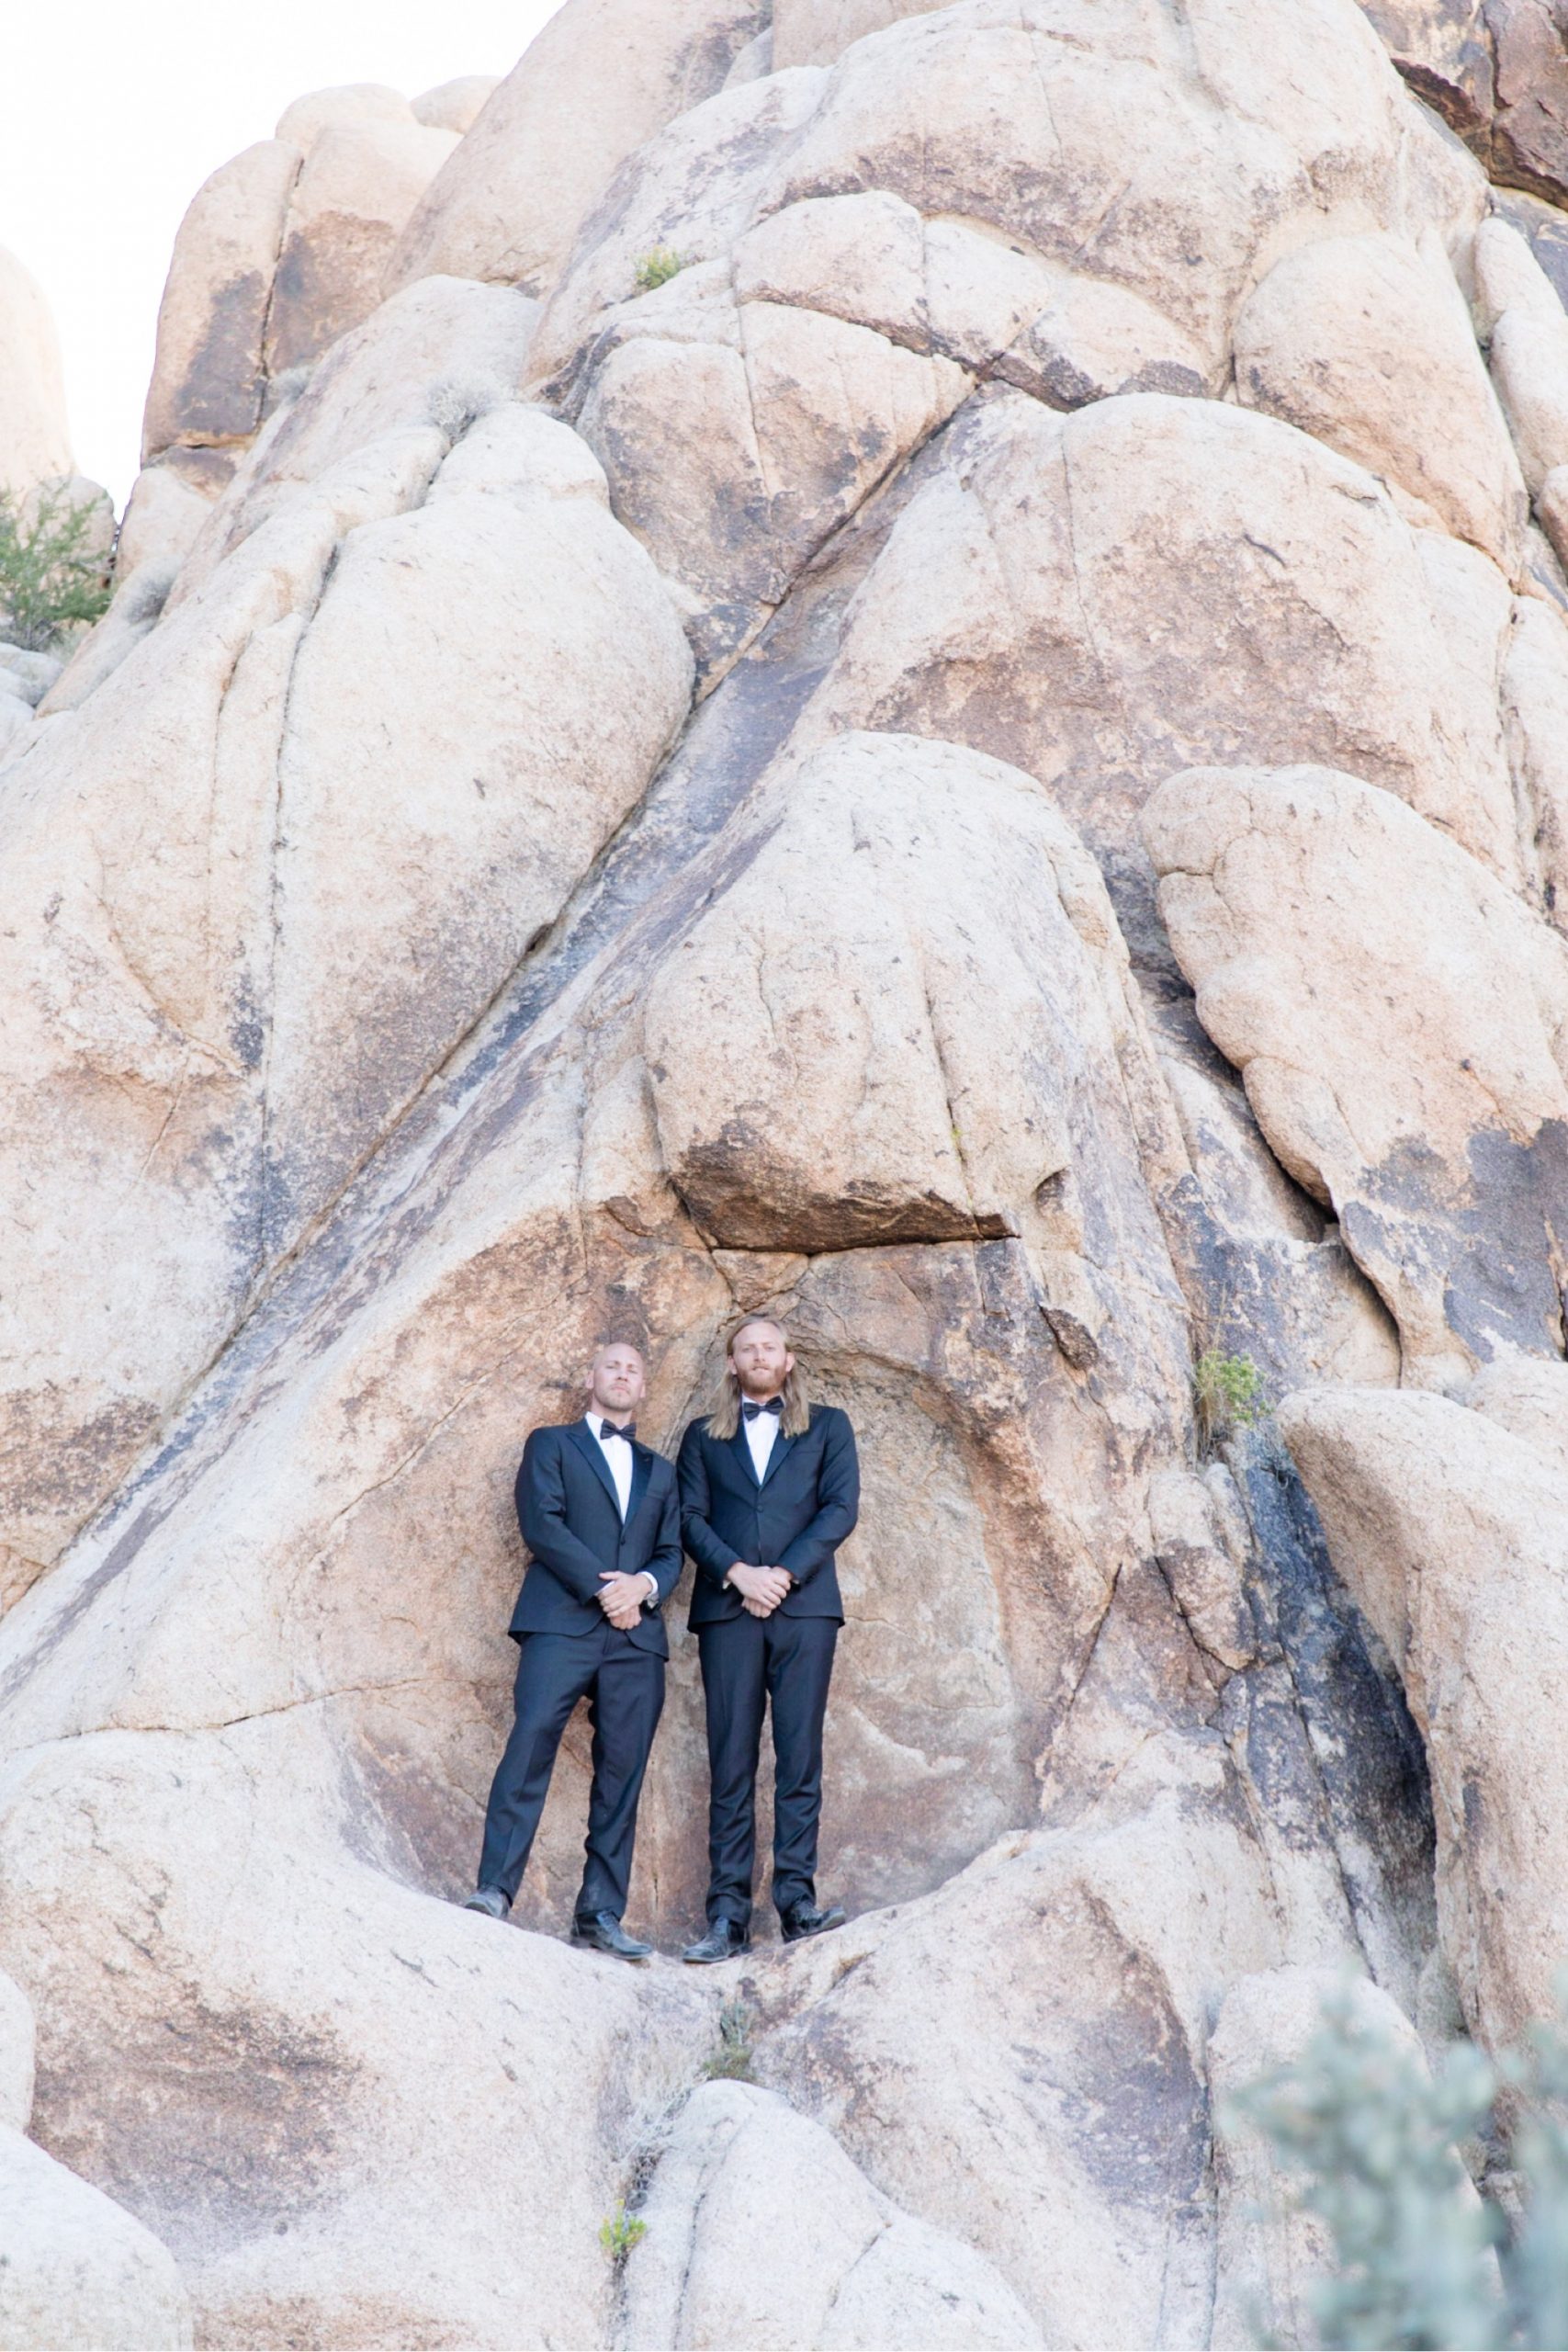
[[1426, 1098], [1497, 70], [1448, 1522], [835, 2265], [35, 445], [596, 82], [517, 672], [282, 250]]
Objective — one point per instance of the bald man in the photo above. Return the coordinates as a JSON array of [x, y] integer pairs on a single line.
[[600, 1518]]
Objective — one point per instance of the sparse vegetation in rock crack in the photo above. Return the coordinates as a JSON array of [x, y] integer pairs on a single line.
[[1227, 1396], [619, 2231], [657, 267], [731, 2057]]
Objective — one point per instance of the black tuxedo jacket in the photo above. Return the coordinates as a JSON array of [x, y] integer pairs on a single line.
[[572, 1525], [796, 1519]]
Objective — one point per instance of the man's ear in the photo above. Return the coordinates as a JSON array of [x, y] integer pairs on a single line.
[[789, 1364]]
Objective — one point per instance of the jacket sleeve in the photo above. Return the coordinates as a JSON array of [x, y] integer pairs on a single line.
[[541, 1514], [838, 1502], [714, 1558], [664, 1561]]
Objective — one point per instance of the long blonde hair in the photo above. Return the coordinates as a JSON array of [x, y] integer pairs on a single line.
[[723, 1416]]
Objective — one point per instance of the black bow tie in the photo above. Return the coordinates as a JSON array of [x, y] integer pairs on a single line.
[[608, 1429], [773, 1405]]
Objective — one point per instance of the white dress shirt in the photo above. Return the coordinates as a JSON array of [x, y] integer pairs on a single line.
[[760, 1429], [618, 1454], [762, 1435]]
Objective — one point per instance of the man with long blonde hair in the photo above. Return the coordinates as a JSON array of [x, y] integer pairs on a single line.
[[770, 1487]]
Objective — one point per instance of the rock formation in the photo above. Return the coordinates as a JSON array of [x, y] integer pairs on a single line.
[[34, 445], [282, 251], [911, 667]]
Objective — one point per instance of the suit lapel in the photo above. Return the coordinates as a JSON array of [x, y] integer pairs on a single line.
[[781, 1447], [642, 1471], [743, 1452], [589, 1445]]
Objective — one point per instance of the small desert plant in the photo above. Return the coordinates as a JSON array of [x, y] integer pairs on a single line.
[[1372, 2136], [1227, 1393], [50, 572], [620, 2231], [657, 267], [731, 2059]]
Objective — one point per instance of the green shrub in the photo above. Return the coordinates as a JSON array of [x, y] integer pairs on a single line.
[[657, 267], [621, 2231], [1372, 2136], [50, 572], [1227, 1394]]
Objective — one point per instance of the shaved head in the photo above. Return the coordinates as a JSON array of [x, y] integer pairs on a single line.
[[617, 1379], [609, 1347]]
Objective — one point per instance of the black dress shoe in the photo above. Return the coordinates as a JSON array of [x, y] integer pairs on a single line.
[[805, 1919], [604, 1932], [723, 1940], [490, 1901]]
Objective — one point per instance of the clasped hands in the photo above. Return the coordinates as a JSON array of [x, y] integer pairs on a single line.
[[621, 1599], [760, 1590]]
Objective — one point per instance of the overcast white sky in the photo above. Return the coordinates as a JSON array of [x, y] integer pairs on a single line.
[[116, 111]]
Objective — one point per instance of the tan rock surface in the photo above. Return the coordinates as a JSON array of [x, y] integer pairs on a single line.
[[1534, 701], [15, 715], [1222, 178], [17, 2056], [79, 2271], [1530, 130], [455, 105], [903, 933], [198, 1038], [1450, 1531], [1366, 344], [1527, 1396], [837, 2266], [1425, 1099], [162, 519], [1005, 86], [1498, 70], [355, 188], [1528, 333], [208, 377], [1443, 47], [730, 463], [597, 81], [35, 445], [282, 251], [438, 356], [1158, 581], [1071, 2153], [307, 2062]]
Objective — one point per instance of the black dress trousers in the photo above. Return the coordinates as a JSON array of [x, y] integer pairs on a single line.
[[624, 1685], [745, 1662]]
